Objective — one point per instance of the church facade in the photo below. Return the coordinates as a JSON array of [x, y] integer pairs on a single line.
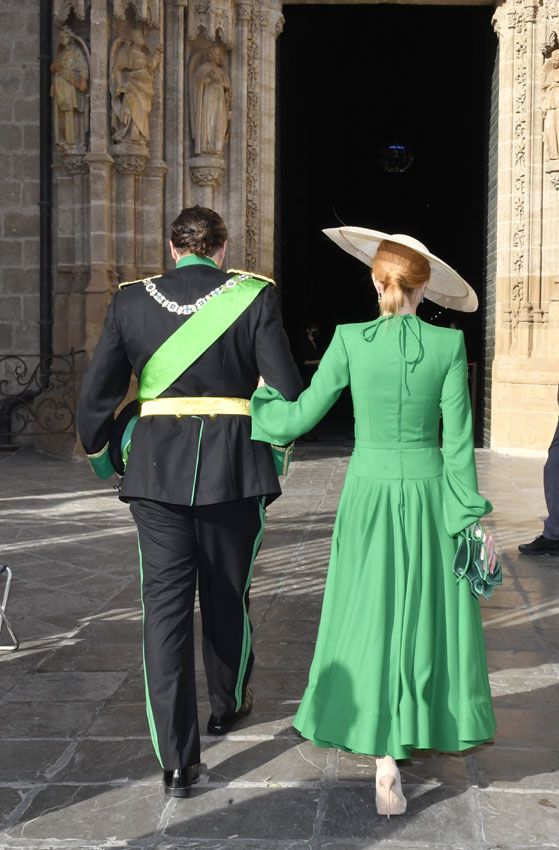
[[159, 104]]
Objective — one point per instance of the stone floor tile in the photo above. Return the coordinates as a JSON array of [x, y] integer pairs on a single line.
[[72, 687], [92, 813], [40, 719], [294, 630], [131, 690], [510, 661], [528, 727], [263, 755], [503, 637], [283, 654], [351, 814], [82, 656], [27, 761], [119, 719], [421, 770], [273, 761], [113, 633], [256, 813], [109, 761], [513, 820], [9, 799], [277, 683], [504, 767], [234, 844], [520, 692]]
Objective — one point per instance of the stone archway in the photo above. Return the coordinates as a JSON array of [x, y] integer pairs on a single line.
[[116, 196]]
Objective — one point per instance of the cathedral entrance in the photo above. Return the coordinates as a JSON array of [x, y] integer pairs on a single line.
[[383, 122]]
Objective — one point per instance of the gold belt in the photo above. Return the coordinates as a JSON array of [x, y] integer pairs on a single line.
[[195, 406]]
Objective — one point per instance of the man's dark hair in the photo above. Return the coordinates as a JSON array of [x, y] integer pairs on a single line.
[[198, 230]]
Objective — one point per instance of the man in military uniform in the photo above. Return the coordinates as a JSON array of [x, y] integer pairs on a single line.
[[197, 339]]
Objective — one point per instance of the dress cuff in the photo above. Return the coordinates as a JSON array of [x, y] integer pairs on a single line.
[[101, 463]]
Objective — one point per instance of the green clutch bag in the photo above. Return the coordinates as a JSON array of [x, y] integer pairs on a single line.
[[282, 457], [469, 564]]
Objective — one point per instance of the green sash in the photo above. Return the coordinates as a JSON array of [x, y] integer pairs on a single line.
[[195, 336]]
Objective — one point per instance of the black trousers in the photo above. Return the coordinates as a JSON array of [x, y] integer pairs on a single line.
[[216, 544]]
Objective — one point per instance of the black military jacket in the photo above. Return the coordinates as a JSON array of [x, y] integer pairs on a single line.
[[188, 460]]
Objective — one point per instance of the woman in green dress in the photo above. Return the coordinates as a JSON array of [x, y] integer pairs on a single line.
[[399, 662]]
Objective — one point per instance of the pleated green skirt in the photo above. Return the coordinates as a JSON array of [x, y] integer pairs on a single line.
[[399, 662]]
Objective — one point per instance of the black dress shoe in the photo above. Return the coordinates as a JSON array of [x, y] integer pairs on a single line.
[[540, 546], [178, 782], [222, 725]]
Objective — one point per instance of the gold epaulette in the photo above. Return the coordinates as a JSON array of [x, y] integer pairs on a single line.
[[130, 282], [252, 274]]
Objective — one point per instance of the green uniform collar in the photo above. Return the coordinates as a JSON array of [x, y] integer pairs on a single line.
[[194, 259]]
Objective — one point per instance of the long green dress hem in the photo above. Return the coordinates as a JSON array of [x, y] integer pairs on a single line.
[[399, 662]]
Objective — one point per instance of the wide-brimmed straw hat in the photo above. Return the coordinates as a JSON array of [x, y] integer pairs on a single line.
[[445, 286]]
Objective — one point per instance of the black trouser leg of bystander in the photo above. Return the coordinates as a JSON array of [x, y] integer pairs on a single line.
[[168, 563], [229, 536]]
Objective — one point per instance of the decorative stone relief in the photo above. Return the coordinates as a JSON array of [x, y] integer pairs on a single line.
[[210, 100], [253, 137], [132, 70], [146, 10], [215, 19], [130, 163], [517, 21], [63, 8], [208, 174], [69, 90], [550, 107]]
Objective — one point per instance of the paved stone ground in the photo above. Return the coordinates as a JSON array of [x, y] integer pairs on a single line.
[[76, 767]]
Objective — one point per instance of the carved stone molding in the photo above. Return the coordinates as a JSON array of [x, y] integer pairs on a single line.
[[552, 169], [62, 9], [130, 163], [130, 158], [215, 18], [145, 10], [252, 148], [206, 170], [75, 163]]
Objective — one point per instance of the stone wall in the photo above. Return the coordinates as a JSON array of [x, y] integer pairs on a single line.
[[118, 183], [19, 177]]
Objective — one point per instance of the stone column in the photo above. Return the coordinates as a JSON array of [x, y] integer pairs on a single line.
[[238, 144], [174, 113], [524, 383], [270, 25], [130, 165], [100, 170]]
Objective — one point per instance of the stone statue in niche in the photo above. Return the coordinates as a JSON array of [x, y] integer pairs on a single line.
[[550, 98], [210, 100], [69, 89], [132, 70]]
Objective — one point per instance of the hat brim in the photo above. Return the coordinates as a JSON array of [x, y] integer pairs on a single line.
[[445, 286]]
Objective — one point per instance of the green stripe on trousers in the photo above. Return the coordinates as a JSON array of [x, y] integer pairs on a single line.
[[247, 637], [149, 711]]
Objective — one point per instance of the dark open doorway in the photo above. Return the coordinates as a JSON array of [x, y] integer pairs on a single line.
[[354, 81]]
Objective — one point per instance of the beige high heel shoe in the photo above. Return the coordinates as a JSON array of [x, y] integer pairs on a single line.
[[390, 798]]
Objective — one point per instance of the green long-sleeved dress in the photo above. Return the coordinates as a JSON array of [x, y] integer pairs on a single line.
[[399, 661]]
